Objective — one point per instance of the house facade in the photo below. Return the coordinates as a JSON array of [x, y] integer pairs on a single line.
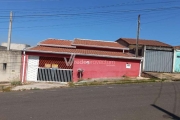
[[176, 65], [157, 56], [78, 59]]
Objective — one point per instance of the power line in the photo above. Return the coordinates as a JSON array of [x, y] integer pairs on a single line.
[[99, 15], [160, 19], [102, 12], [57, 25], [30, 0], [94, 16], [109, 20], [97, 7]]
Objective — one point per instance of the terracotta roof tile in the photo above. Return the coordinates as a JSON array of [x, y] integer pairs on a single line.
[[132, 41], [177, 47], [79, 51], [56, 42], [97, 43]]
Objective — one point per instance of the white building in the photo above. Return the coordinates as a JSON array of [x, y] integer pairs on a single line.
[[15, 46]]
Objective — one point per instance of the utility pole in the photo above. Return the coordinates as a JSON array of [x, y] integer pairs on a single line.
[[10, 31], [138, 31]]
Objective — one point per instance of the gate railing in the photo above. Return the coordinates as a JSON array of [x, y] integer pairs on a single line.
[[54, 75]]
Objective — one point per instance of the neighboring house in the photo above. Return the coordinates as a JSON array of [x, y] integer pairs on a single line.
[[10, 63], [48, 61], [158, 56], [176, 66]]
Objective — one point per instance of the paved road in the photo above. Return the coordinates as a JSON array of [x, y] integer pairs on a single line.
[[152, 101]]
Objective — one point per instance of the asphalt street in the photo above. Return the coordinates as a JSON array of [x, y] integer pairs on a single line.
[[149, 101]]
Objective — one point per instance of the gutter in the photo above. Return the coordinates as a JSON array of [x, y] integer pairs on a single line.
[[107, 56]]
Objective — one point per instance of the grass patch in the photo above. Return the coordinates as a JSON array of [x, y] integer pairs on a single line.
[[35, 88], [71, 84], [94, 83], [8, 87], [5, 88], [16, 83]]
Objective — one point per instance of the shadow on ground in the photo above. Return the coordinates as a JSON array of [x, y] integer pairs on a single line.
[[169, 115]]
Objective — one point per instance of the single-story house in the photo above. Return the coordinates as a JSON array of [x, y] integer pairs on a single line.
[[176, 66], [78, 59], [157, 56]]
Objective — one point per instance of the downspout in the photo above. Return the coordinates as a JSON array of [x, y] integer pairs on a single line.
[[140, 70], [24, 62]]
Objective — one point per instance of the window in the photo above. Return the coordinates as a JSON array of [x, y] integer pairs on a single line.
[[4, 66], [178, 56]]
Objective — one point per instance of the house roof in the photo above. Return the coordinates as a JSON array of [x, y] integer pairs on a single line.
[[98, 44], [177, 47], [132, 41], [83, 52], [56, 43]]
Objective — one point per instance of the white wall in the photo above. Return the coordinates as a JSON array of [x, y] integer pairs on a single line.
[[15, 46]]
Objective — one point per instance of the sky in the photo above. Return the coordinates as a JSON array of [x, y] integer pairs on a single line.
[[109, 20]]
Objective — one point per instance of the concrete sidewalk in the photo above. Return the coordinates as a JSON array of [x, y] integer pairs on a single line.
[[39, 85], [169, 76]]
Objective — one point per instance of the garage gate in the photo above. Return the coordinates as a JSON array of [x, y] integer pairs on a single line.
[[56, 75], [158, 61], [37, 69]]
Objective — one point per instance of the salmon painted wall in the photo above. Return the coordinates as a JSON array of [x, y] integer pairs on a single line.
[[103, 68]]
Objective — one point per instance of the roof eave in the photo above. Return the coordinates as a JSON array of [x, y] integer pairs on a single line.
[[159, 46], [142, 44], [101, 47], [52, 45], [79, 54], [152, 45]]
